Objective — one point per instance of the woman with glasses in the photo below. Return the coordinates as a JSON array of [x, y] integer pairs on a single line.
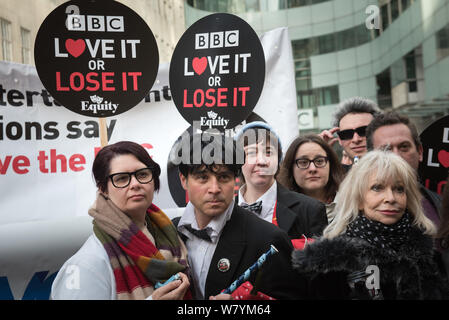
[[379, 246], [134, 247], [311, 167]]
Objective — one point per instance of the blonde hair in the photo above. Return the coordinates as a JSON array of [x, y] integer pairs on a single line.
[[386, 166]]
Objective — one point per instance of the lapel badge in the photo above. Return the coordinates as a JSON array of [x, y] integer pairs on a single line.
[[224, 265]]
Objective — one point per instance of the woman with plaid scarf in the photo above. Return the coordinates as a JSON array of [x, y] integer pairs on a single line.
[[134, 245]]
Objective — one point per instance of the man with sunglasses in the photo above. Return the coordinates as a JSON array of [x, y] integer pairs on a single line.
[[350, 122], [295, 213]]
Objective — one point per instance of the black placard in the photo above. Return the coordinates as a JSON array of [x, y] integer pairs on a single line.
[[96, 58], [433, 170], [217, 72]]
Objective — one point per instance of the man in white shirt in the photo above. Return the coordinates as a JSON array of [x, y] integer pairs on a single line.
[[222, 239]]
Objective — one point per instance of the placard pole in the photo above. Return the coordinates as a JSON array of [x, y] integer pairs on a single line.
[[103, 132]]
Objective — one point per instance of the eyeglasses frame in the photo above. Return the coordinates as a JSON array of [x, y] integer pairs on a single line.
[[326, 160], [130, 174]]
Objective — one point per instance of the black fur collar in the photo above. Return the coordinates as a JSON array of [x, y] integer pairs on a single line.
[[411, 271], [347, 254]]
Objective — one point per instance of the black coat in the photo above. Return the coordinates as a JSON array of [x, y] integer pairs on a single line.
[[243, 240], [410, 274], [299, 214], [432, 197]]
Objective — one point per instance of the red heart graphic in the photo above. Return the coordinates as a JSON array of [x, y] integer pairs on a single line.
[[443, 157], [199, 65], [75, 47]]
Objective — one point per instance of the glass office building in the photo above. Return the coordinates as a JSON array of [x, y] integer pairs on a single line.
[[395, 52]]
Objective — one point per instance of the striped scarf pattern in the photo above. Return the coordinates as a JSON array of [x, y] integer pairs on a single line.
[[136, 262]]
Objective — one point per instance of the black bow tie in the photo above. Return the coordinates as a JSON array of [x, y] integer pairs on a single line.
[[202, 234], [256, 207]]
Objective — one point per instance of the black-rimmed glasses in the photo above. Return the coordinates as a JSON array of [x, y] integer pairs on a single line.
[[319, 162], [349, 133], [123, 179]]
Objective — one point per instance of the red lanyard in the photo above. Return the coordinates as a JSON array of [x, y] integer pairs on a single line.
[[275, 219]]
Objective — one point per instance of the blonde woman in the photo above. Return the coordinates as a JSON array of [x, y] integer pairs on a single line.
[[379, 244]]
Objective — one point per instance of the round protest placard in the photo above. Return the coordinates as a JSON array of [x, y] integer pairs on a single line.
[[217, 72], [96, 58], [434, 168], [176, 156]]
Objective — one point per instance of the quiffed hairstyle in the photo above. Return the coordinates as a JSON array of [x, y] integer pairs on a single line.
[[336, 172], [101, 166], [388, 119], [386, 166], [355, 105], [209, 150]]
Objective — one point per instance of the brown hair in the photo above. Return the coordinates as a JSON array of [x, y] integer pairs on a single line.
[[336, 172]]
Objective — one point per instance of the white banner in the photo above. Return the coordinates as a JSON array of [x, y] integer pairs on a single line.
[[47, 151]]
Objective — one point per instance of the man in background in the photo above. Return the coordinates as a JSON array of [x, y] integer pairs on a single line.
[[350, 122]]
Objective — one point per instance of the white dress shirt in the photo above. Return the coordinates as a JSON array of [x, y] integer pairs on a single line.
[[268, 201], [200, 252]]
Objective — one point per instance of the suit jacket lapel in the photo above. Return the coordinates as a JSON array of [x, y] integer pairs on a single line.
[[285, 216], [230, 246]]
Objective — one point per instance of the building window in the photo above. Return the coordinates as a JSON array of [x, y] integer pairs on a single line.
[[350, 38], [394, 9], [241, 6], [305, 48], [301, 3], [26, 46], [383, 81], [385, 16], [391, 10], [346, 39], [230, 6], [6, 39], [442, 42], [317, 97], [406, 4], [410, 68], [326, 43]]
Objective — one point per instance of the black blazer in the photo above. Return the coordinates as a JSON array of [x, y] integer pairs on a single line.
[[433, 197], [299, 214], [244, 239]]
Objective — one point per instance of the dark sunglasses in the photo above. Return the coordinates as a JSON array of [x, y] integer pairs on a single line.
[[349, 133]]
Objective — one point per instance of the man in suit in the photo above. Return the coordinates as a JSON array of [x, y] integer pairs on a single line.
[[295, 213], [222, 239]]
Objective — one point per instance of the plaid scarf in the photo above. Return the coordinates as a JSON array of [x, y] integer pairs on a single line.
[[136, 262]]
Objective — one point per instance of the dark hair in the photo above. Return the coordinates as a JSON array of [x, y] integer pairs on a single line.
[[388, 119], [443, 230], [336, 172], [101, 166], [261, 135], [218, 149], [355, 105]]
